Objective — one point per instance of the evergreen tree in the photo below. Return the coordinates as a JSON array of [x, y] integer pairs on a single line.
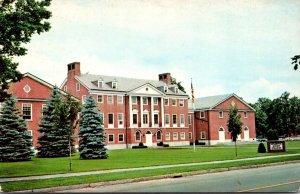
[[15, 142], [54, 139], [234, 125], [91, 132]]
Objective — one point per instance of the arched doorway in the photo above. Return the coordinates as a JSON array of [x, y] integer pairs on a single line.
[[221, 134], [148, 138], [246, 134]]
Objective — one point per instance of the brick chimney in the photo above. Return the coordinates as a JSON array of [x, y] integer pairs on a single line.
[[74, 69], [165, 77]]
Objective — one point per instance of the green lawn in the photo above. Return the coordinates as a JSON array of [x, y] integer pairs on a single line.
[[135, 158]]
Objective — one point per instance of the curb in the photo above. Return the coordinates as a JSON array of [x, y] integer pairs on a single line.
[[177, 175]]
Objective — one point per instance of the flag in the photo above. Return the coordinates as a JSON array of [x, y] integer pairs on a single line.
[[192, 89]]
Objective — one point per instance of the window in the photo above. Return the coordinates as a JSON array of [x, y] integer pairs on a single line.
[[176, 90], [190, 135], [29, 133], [65, 88], [175, 136], [100, 83], [137, 136], [121, 138], [77, 86], [120, 119], [168, 136], [134, 119], [174, 102], [83, 99], [110, 119], [120, 99], [27, 111], [202, 115], [190, 119], [182, 135], [174, 120], [155, 101], [110, 99], [166, 102], [165, 89], [203, 135], [114, 85], [181, 102], [158, 136], [155, 119], [110, 138], [100, 98], [102, 117], [245, 114], [220, 114], [145, 100], [182, 120], [134, 99], [167, 119], [44, 108], [145, 118]]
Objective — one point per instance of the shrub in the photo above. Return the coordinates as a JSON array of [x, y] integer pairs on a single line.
[[166, 145], [160, 144], [197, 142], [138, 147], [261, 148], [141, 144]]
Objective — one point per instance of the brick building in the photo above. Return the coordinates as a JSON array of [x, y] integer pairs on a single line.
[[32, 94], [208, 118], [134, 110]]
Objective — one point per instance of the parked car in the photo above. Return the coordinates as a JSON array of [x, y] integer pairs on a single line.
[[261, 139]]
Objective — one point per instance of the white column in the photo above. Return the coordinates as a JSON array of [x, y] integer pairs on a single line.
[[162, 112], [152, 112], [141, 109], [130, 110]]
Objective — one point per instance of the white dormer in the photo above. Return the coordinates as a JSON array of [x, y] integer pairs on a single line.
[[100, 83], [114, 84], [176, 89], [165, 89]]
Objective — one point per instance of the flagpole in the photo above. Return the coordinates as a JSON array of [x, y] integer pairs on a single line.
[[194, 135]]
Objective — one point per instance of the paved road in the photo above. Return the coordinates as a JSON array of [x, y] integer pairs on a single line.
[[283, 178]]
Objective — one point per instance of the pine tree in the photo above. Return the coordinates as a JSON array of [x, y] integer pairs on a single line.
[[15, 142], [54, 139], [91, 132]]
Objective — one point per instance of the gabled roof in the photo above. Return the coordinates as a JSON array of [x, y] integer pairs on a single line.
[[124, 84], [211, 102]]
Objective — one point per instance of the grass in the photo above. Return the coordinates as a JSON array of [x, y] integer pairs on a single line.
[[134, 158], [45, 183]]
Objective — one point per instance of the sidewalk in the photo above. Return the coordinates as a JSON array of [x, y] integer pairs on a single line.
[[135, 169]]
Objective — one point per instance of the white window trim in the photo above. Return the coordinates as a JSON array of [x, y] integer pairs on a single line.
[[176, 89], [146, 100], [155, 103], [168, 136], [156, 124], [114, 85], [174, 135], [83, 98], [120, 97], [145, 124], [203, 132], [108, 124], [222, 114], [121, 125], [167, 99], [119, 137], [174, 124], [43, 107], [135, 99], [182, 124], [182, 137], [30, 111], [137, 119], [190, 135], [112, 97], [202, 117], [113, 138], [245, 114], [31, 134], [167, 124], [165, 89], [160, 136], [174, 100], [98, 98], [100, 84], [65, 88], [181, 102], [190, 119], [77, 87], [136, 140]]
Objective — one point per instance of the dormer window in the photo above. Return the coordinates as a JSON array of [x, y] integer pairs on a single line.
[[176, 89], [114, 85], [100, 83], [165, 89]]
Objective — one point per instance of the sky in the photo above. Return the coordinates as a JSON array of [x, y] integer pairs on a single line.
[[224, 46]]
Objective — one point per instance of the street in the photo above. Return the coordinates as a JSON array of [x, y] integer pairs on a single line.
[[283, 178]]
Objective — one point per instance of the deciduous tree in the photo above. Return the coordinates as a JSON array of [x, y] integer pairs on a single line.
[[234, 125]]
